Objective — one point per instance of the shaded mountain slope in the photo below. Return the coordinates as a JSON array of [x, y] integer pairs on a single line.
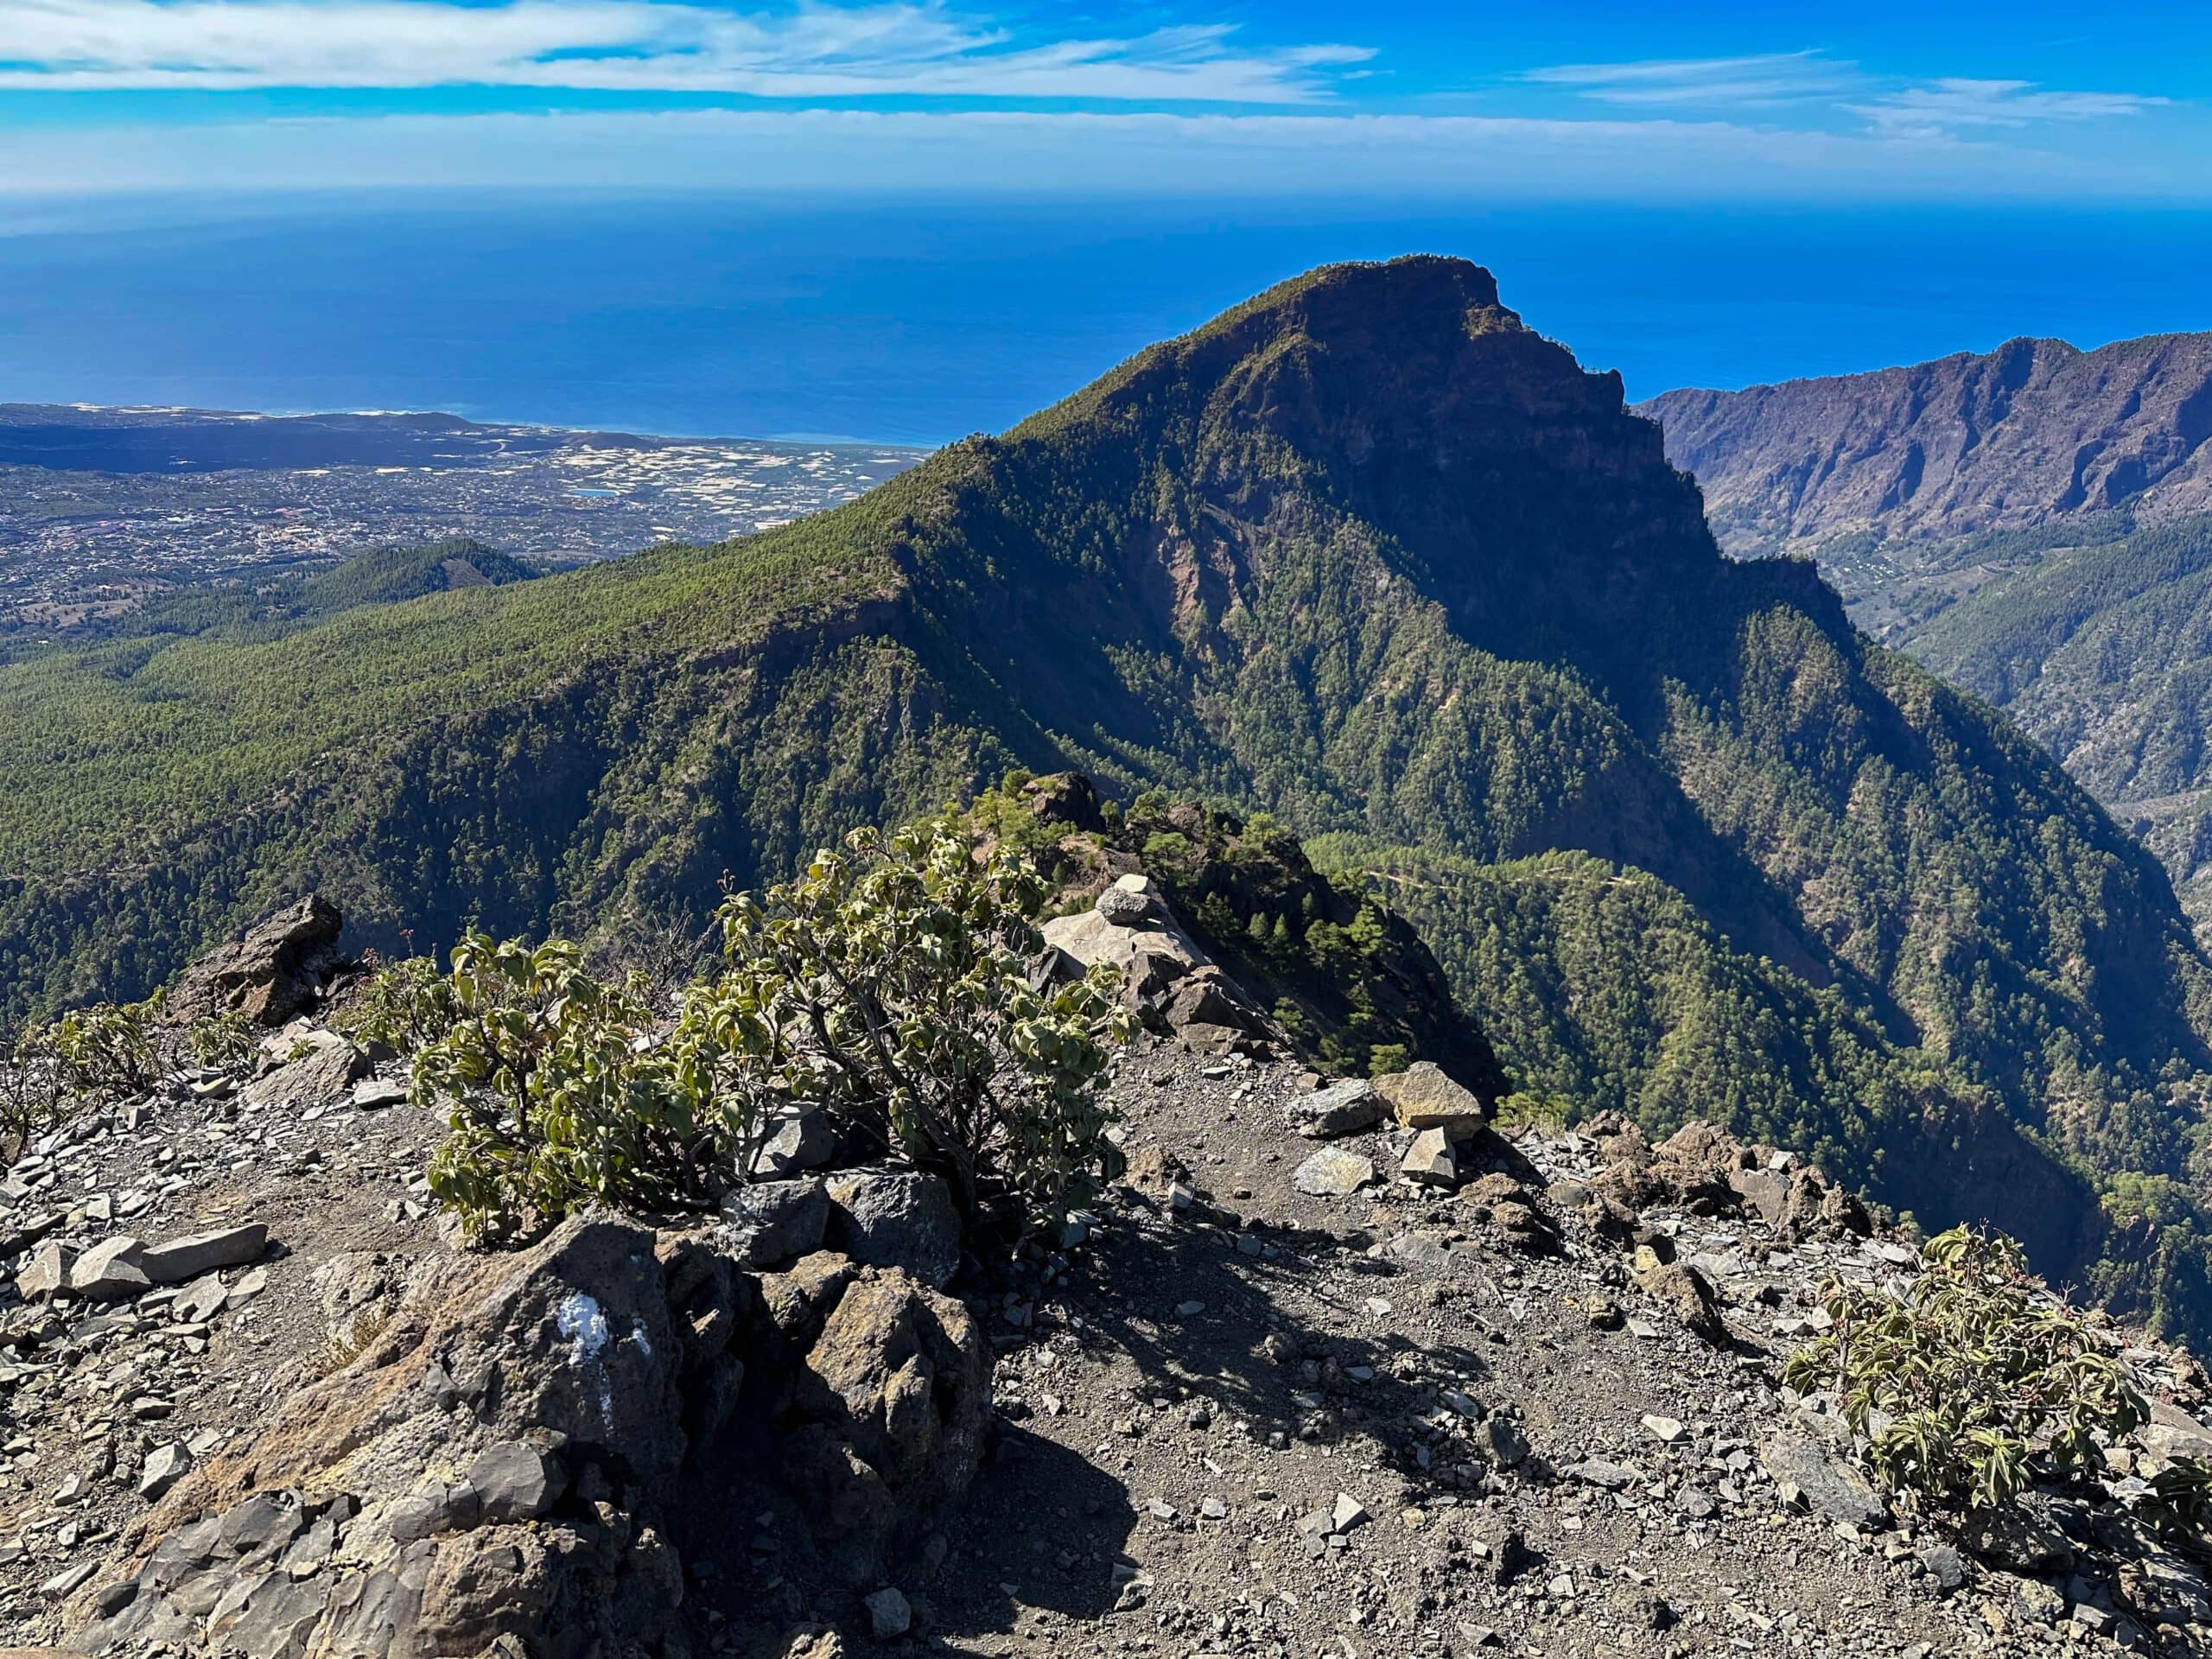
[[2033, 525], [1367, 553]]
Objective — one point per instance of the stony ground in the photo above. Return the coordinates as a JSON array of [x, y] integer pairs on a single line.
[[1205, 1381], [1238, 1418], [91, 1390]]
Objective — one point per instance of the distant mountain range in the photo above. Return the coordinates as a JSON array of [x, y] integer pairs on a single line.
[[2034, 524], [2031, 431], [1366, 553]]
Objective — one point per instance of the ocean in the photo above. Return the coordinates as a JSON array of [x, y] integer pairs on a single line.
[[917, 321]]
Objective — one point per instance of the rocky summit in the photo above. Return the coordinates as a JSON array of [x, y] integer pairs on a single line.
[[1514, 1388]]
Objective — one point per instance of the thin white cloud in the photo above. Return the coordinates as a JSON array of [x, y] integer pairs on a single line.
[[1947, 106], [1955, 102], [828, 153], [907, 47], [1767, 78]]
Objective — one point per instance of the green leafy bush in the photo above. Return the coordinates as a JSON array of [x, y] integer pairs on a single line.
[[110, 1048], [889, 986], [1968, 1390], [404, 1005], [34, 1094], [226, 1040], [556, 1102]]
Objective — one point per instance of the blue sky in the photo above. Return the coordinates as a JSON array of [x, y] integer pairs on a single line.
[[1968, 101]]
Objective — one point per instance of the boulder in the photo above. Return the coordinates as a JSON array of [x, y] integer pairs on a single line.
[[2172, 1432], [902, 1377], [1423, 1096], [1333, 1173], [1512, 1209], [48, 1271], [1347, 1108], [2017, 1538], [515, 1481], [1682, 1290], [896, 1218], [1166, 981], [164, 1466], [1799, 1202], [274, 971], [771, 1222], [1128, 916], [433, 1464], [795, 1143], [323, 1076], [1430, 1160], [889, 1614], [1131, 902], [111, 1269]]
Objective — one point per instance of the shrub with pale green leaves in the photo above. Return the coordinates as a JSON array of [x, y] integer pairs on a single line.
[[110, 1048], [557, 1100], [227, 1039], [1967, 1389], [35, 1094], [404, 1005], [892, 986]]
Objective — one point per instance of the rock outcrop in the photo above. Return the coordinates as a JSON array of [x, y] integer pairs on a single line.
[[514, 1455], [1167, 982], [274, 972]]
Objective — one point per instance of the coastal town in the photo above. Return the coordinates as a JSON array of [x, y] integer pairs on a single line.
[[99, 508]]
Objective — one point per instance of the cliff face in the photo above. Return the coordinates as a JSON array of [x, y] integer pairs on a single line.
[[2030, 431]]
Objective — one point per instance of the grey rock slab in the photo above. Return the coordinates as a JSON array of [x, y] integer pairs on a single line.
[[266, 1520], [896, 1218], [379, 1094], [1834, 1490], [1944, 1565], [800, 1140], [1430, 1160], [1333, 1173], [165, 1466], [47, 1272], [2026, 1544], [889, 1614], [201, 1301], [1607, 1476], [771, 1222], [188, 1258], [267, 1615], [321, 1077], [2172, 1433]]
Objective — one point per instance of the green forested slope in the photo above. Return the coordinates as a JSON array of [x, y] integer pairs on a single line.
[[1366, 553], [2102, 651]]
